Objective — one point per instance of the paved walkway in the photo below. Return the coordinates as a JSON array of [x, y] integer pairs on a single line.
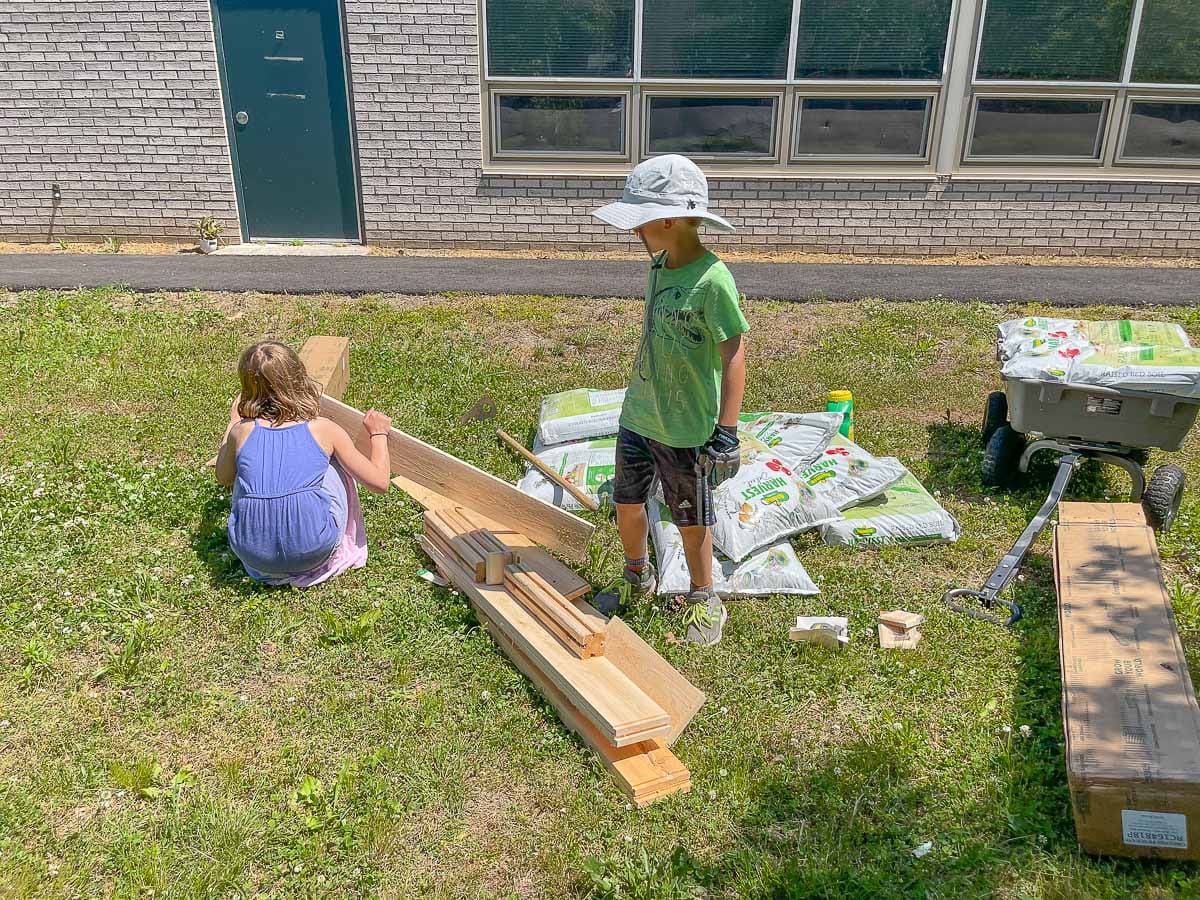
[[1068, 285]]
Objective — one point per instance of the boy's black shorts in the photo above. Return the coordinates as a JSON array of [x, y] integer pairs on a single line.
[[685, 486]]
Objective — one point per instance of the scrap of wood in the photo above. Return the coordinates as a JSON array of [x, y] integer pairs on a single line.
[[563, 579], [901, 620], [662, 682], [895, 639], [555, 612], [494, 567], [327, 361], [461, 482], [601, 692], [466, 550]]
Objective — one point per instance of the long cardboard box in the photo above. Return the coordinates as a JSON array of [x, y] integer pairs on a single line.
[[1129, 708]]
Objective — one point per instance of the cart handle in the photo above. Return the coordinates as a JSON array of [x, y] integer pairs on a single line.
[[986, 600]]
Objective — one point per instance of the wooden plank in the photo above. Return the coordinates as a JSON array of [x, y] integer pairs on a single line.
[[660, 681], [466, 551], [555, 605], [327, 360], [564, 579], [452, 478], [581, 641], [619, 709]]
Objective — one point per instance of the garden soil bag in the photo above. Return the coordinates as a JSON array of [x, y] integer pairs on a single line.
[[589, 465], [796, 438], [1040, 336], [579, 414], [764, 502], [905, 513], [846, 474], [774, 570]]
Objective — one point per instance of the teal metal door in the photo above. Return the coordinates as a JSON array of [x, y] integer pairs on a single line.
[[288, 112]]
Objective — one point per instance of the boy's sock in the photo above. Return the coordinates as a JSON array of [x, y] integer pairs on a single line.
[[705, 616], [640, 574]]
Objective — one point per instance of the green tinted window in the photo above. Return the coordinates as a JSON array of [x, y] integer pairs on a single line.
[[872, 38], [1168, 50], [715, 38], [1054, 40], [560, 39]]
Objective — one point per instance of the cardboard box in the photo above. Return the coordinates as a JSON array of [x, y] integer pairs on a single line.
[[1129, 709]]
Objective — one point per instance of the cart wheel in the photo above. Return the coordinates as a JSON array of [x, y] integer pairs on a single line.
[[1164, 493], [995, 414], [1002, 456]]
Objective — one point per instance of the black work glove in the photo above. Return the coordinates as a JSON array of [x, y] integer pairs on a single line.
[[723, 453]]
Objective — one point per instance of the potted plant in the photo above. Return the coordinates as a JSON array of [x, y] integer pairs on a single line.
[[210, 230]]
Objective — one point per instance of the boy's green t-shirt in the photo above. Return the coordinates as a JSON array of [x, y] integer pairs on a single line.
[[674, 392]]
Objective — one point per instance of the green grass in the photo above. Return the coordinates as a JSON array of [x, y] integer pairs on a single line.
[[167, 726]]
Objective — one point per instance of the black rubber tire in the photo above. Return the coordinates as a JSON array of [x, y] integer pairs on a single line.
[[1001, 457], [995, 414], [1164, 494]]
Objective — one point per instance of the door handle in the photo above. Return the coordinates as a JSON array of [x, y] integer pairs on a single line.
[[241, 117]]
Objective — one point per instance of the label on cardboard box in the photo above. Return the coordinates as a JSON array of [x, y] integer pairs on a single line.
[[1142, 828]]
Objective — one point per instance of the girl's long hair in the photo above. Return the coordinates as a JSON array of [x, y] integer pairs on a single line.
[[275, 385]]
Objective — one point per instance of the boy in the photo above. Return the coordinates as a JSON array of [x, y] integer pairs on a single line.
[[679, 420]]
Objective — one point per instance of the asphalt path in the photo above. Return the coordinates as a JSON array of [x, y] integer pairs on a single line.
[[1065, 285]]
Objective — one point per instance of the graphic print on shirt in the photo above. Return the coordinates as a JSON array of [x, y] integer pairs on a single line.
[[677, 329]]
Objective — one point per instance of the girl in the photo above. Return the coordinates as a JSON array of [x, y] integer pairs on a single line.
[[295, 517]]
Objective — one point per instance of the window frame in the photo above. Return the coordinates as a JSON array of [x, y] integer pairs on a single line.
[[777, 122], [927, 133], [496, 91], [1119, 157], [1095, 162]]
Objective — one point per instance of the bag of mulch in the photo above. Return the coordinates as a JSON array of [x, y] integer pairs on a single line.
[[796, 438], [905, 513], [589, 465], [774, 570], [579, 414], [847, 474], [764, 502]]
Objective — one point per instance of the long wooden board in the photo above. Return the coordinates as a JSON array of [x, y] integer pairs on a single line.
[[562, 578], [472, 487], [618, 708]]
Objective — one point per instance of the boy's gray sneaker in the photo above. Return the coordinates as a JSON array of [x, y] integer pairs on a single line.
[[705, 616], [644, 580]]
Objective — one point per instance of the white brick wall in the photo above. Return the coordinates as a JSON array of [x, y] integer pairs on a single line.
[[119, 103]]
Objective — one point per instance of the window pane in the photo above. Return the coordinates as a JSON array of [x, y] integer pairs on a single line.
[[560, 38], [875, 127], [1054, 40], [1034, 127], [569, 124], [872, 38], [715, 38], [727, 126], [1163, 131], [1168, 49]]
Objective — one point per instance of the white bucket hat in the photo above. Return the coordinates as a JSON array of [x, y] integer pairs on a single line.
[[663, 187]]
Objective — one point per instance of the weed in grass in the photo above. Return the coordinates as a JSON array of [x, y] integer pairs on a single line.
[[38, 659], [144, 779], [339, 630], [640, 877], [126, 661]]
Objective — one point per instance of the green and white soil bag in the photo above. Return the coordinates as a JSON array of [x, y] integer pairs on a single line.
[[773, 570], [763, 503], [846, 474], [589, 465], [578, 415], [1160, 370], [1040, 336], [796, 438], [905, 513]]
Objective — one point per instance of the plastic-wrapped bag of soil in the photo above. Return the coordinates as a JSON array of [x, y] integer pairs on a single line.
[[589, 465], [905, 513], [579, 414], [847, 474], [796, 438], [773, 570]]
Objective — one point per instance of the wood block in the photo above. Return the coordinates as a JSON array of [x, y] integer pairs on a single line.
[[901, 620], [895, 639], [549, 609], [494, 567], [564, 579], [661, 681], [466, 485], [601, 692], [327, 360]]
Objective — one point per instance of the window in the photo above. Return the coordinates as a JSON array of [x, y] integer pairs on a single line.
[[1162, 130], [711, 126], [1054, 40], [866, 39], [1168, 50], [560, 123], [875, 127], [1014, 127], [559, 39], [715, 38]]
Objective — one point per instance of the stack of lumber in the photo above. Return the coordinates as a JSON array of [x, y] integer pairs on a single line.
[[491, 542]]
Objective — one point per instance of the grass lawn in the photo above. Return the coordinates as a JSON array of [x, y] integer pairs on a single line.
[[169, 729]]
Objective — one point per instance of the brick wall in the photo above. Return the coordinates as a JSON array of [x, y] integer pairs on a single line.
[[119, 104]]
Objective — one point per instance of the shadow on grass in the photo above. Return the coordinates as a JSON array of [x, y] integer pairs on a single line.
[[211, 544]]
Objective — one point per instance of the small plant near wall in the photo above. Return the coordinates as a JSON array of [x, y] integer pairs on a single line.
[[112, 245], [209, 230]]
